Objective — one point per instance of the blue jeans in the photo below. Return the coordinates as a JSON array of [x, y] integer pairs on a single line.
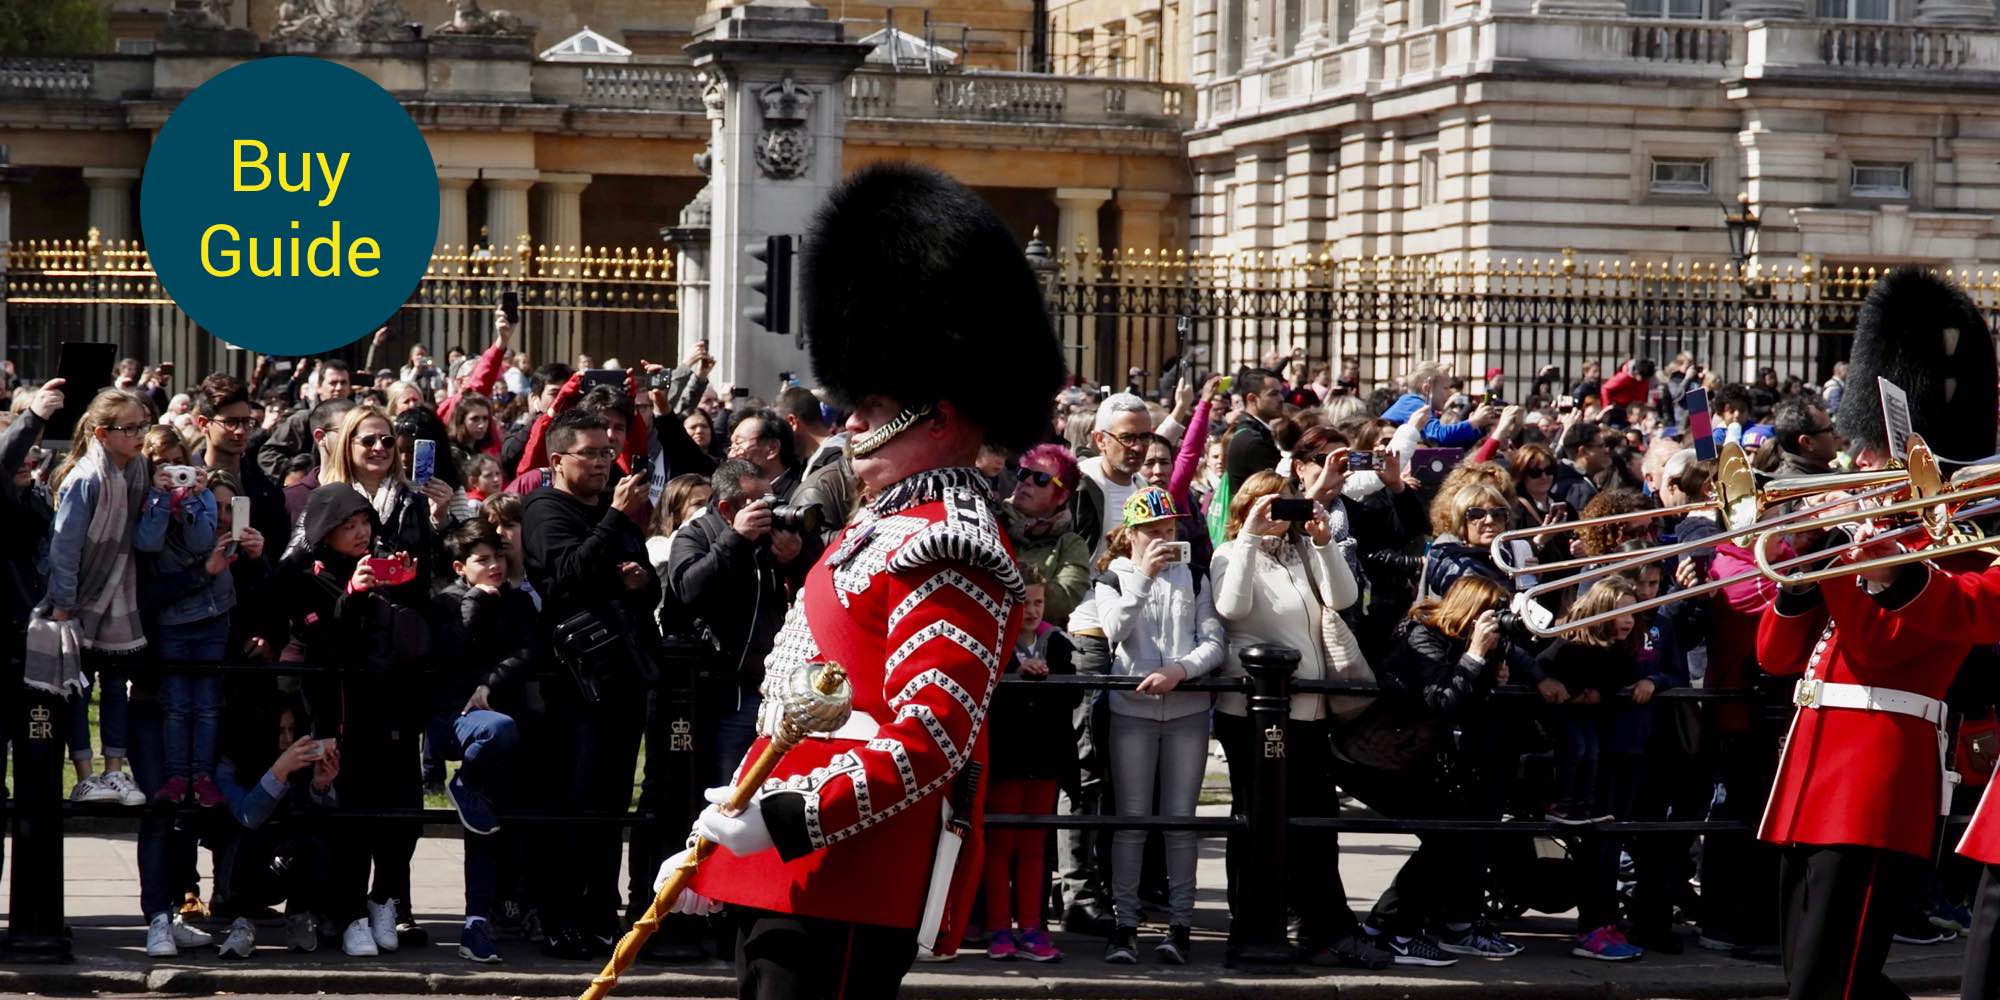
[[735, 731], [111, 716], [166, 846], [1576, 756], [192, 702], [483, 740]]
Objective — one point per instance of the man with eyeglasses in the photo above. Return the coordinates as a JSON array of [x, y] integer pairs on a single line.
[[223, 415], [1112, 476], [587, 558], [1808, 444]]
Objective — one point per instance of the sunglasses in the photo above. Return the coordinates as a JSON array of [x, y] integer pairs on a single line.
[[1040, 478], [377, 440], [1484, 514], [1319, 459], [1537, 471]]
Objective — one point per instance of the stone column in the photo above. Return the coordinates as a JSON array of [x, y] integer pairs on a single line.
[[1316, 25], [1142, 340], [1966, 12], [507, 206], [1077, 237], [562, 234], [453, 184], [111, 201], [1773, 10], [775, 70]]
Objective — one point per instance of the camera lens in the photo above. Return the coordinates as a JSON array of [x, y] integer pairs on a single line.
[[804, 519]]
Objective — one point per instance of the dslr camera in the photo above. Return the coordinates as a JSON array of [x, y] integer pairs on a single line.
[[662, 381], [801, 519]]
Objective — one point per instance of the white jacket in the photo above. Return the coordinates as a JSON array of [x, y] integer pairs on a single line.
[[1274, 597], [1152, 622]]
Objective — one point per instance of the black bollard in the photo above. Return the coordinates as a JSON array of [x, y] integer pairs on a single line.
[[1257, 930], [35, 931]]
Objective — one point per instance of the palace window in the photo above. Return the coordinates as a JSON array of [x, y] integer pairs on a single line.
[[1427, 178], [1233, 13], [1683, 9], [1679, 175], [1857, 10], [1879, 180], [1429, 12]]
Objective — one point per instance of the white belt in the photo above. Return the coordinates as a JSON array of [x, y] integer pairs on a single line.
[[1813, 693], [860, 726]]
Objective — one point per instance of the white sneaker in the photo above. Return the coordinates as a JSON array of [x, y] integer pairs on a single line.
[[160, 937], [242, 939], [382, 922], [94, 789], [128, 790], [358, 941], [302, 932], [187, 935]]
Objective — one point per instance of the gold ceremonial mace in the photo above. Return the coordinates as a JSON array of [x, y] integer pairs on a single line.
[[815, 701]]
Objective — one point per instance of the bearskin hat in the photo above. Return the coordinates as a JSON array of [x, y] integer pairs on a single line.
[[1923, 334], [912, 288]]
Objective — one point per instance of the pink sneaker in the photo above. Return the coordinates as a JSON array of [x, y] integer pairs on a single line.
[[1000, 947], [173, 793], [206, 793], [1036, 947]]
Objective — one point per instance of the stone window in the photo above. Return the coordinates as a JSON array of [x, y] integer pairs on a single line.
[[1679, 175], [1428, 12], [1857, 10], [1690, 9], [1294, 13], [1427, 178], [1149, 57], [1343, 16], [1879, 180], [1233, 13]]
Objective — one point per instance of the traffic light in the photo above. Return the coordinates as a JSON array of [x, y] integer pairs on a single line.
[[774, 284]]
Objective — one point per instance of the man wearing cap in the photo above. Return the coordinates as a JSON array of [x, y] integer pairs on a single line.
[[905, 273], [1863, 774]]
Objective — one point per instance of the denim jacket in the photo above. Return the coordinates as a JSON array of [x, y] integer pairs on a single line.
[[75, 503], [178, 545]]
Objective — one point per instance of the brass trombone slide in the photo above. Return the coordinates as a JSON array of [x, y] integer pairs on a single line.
[[1972, 492]]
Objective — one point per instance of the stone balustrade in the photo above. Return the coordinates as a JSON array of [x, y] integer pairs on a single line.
[[45, 77], [661, 88], [1913, 53]]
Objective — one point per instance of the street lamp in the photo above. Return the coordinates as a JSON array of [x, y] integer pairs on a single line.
[[1742, 224], [1043, 263]]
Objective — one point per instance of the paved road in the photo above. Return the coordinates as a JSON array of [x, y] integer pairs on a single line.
[[103, 891]]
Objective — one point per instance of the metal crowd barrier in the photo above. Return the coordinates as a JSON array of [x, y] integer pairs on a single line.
[[36, 931]]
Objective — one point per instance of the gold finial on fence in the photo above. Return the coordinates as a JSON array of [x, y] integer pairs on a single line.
[[1569, 262]]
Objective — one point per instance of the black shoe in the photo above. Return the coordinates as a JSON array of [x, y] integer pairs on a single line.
[[1665, 942], [570, 944], [1123, 948], [1419, 949], [1086, 921], [1177, 946], [410, 935], [1354, 950]]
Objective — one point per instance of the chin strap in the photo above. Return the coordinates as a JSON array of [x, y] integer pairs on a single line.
[[875, 439]]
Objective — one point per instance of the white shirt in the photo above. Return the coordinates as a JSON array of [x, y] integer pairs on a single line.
[[1114, 501]]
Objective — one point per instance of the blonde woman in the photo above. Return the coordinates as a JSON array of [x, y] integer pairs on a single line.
[[365, 455]]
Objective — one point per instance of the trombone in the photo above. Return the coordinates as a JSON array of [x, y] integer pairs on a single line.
[[1938, 517], [1739, 503]]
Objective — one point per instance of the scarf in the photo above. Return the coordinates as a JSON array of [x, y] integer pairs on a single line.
[[383, 500], [1029, 530], [106, 617]]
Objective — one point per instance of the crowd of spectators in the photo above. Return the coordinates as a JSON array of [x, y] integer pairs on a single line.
[[507, 626]]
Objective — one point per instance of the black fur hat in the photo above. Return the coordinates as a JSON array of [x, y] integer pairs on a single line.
[[1922, 333], [912, 288]]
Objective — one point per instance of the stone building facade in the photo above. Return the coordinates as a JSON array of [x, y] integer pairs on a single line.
[[1861, 132]]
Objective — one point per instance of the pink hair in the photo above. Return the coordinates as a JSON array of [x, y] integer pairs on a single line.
[[1058, 457]]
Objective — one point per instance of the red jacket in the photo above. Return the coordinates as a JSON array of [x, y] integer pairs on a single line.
[[920, 603], [1869, 778], [1625, 388]]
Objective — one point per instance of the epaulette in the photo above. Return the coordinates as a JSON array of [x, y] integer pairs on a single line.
[[969, 534]]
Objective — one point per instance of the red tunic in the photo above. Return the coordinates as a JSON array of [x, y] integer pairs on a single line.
[[920, 606], [1852, 776]]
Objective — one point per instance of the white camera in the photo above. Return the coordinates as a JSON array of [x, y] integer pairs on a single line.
[[182, 476]]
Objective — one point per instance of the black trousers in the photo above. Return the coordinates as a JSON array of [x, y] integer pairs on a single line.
[[1737, 869], [378, 770], [1982, 946], [279, 863], [783, 957], [1839, 912], [602, 752]]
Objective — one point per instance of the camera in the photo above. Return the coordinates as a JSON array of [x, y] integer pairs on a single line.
[[803, 519], [182, 476], [1512, 627], [660, 381]]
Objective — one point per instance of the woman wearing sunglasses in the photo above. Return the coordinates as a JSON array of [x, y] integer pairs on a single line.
[[1465, 522], [1038, 521]]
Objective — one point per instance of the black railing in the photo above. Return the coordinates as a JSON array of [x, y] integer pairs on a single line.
[[38, 810]]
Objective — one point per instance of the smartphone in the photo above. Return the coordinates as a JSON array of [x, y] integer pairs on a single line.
[[1561, 511], [593, 377], [84, 368], [239, 516], [740, 392], [423, 461], [1179, 553], [1360, 461], [318, 749], [510, 307], [1431, 464], [1225, 384], [1490, 399], [1564, 404], [391, 572], [1296, 510]]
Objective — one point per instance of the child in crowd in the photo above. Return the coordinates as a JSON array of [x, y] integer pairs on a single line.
[[1579, 671], [1161, 625], [93, 587], [189, 607], [1027, 767], [483, 477]]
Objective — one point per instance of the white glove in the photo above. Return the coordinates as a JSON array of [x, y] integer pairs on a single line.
[[689, 901], [743, 834], [769, 717]]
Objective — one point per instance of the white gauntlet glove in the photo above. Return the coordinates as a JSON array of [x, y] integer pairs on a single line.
[[689, 901], [743, 834]]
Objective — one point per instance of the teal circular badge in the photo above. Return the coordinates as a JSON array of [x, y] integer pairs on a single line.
[[289, 205]]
